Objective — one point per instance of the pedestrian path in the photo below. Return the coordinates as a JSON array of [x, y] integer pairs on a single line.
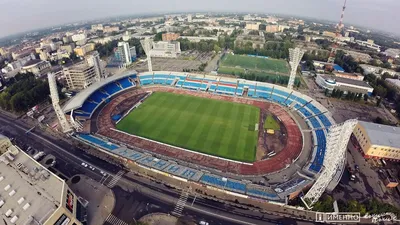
[[115, 220], [115, 179], [180, 204]]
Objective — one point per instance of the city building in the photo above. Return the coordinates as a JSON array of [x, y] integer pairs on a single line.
[[80, 76], [392, 52], [84, 49], [329, 34], [359, 56], [96, 27], [352, 76], [369, 44], [3, 51], [252, 26], [377, 140], [377, 71], [189, 17], [170, 36], [31, 194], [257, 41], [271, 28], [123, 53], [346, 85], [393, 82], [198, 39], [37, 67], [68, 47], [166, 49], [67, 39], [109, 29], [78, 37], [93, 59]]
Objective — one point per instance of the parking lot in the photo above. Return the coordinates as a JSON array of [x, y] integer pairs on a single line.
[[368, 182]]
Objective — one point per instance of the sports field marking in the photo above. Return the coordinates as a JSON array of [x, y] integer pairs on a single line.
[[214, 127]]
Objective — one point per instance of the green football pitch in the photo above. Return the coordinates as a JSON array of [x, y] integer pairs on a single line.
[[213, 127], [254, 63]]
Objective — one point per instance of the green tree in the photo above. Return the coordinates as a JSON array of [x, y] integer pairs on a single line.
[[158, 36]]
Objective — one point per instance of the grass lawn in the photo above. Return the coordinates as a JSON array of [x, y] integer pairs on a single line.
[[271, 123], [204, 125], [230, 70], [247, 62]]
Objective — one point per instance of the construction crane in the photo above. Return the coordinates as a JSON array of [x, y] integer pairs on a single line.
[[332, 55]]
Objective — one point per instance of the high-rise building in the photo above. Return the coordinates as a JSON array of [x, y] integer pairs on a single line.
[[80, 76], [31, 194], [133, 53], [93, 59], [189, 17], [123, 53]]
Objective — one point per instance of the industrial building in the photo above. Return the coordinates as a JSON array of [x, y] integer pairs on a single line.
[[378, 141], [344, 84], [352, 76], [31, 194], [369, 44], [166, 49], [377, 71], [359, 56]]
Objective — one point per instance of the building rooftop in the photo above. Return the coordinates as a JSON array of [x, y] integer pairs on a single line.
[[78, 100], [32, 62], [28, 191], [346, 80], [382, 134]]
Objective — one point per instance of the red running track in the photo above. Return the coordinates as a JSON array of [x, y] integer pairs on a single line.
[[278, 162]]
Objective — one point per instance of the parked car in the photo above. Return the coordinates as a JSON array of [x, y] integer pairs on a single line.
[[357, 168]]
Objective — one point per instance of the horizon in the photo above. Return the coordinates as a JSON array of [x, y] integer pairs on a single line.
[[325, 11]]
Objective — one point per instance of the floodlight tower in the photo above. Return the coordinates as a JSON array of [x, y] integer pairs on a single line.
[[146, 44], [336, 144], [65, 126], [332, 55], [295, 55]]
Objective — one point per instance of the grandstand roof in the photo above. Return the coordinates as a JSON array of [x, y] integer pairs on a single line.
[[78, 100]]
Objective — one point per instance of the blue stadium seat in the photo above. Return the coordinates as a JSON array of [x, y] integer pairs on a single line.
[[97, 141], [112, 88]]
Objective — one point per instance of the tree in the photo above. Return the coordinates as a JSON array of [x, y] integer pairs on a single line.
[[158, 36], [380, 91], [378, 102]]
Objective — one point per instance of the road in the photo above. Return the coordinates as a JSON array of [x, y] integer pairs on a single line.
[[146, 193]]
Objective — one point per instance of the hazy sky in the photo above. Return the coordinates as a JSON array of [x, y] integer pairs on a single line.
[[23, 15]]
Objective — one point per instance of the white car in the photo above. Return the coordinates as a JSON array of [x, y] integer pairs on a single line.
[[203, 223], [84, 164]]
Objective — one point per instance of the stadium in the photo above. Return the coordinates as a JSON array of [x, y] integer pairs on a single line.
[[247, 138]]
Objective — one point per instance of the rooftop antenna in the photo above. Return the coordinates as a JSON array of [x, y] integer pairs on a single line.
[[332, 55]]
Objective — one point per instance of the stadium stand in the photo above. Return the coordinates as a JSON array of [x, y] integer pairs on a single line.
[[97, 141], [255, 89]]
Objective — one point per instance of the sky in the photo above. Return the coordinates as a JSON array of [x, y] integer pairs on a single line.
[[25, 15]]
